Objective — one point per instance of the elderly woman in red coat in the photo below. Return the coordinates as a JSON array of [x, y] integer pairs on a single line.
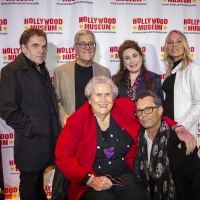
[[98, 144]]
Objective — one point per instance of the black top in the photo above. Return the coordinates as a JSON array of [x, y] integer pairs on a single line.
[[168, 87], [121, 141], [82, 77]]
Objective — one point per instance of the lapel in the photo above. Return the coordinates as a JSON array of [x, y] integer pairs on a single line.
[[54, 100], [96, 69], [175, 156], [70, 82], [33, 76], [141, 86]]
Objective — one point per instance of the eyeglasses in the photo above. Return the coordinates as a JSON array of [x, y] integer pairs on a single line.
[[115, 181], [83, 45], [147, 110]]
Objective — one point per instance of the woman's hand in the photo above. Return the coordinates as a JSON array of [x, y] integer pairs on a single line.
[[100, 183], [64, 120], [188, 138]]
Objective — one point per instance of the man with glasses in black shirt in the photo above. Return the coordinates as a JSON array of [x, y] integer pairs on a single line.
[[71, 78]]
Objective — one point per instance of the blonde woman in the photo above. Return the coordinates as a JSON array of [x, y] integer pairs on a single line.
[[182, 83]]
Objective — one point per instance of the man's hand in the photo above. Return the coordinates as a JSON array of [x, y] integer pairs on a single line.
[[101, 183], [188, 138], [64, 120]]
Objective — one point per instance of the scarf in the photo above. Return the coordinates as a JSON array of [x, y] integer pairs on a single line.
[[131, 90], [155, 174]]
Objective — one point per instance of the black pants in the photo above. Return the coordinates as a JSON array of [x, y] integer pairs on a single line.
[[60, 186], [31, 186], [129, 191]]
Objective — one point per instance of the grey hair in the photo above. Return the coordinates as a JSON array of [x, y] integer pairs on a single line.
[[100, 79], [147, 93], [83, 32]]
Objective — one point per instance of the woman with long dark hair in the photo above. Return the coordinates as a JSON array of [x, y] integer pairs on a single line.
[[133, 76]]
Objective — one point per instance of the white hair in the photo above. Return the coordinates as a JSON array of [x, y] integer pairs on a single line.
[[100, 79]]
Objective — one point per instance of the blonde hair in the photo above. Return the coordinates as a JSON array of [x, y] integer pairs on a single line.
[[186, 55]]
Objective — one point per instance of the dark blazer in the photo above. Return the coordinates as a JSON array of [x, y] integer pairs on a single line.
[[156, 82], [185, 170], [32, 112]]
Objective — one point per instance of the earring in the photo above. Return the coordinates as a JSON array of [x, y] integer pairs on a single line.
[[124, 68]]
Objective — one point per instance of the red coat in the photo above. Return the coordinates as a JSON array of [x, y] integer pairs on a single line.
[[77, 143]]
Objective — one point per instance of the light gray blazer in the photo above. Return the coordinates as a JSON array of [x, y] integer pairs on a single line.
[[64, 85]]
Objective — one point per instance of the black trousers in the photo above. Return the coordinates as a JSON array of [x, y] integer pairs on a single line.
[[31, 186], [60, 186], [129, 191]]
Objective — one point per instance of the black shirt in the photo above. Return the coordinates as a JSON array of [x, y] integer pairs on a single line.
[[168, 87], [82, 77], [121, 141]]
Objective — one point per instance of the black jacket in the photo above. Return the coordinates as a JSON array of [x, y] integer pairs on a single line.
[[185, 169], [156, 83], [32, 112]]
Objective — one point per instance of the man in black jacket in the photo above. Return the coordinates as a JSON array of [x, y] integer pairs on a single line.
[[28, 104], [162, 164]]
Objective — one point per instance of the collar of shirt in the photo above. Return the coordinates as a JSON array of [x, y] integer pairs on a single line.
[[149, 145], [32, 64]]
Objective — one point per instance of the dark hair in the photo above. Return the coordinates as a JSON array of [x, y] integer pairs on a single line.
[[121, 74], [147, 93], [25, 37]]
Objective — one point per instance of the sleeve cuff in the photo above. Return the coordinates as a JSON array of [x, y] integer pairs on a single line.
[[85, 179]]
